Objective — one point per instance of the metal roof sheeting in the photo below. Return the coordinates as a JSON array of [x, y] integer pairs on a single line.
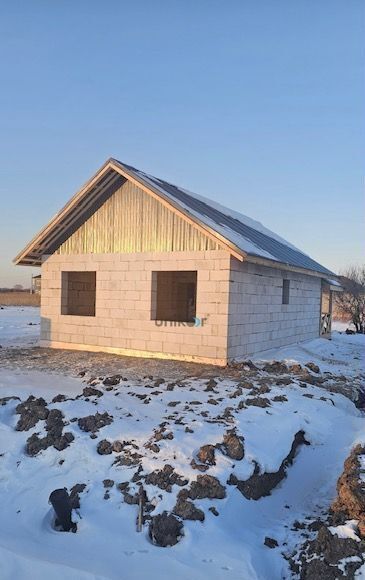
[[238, 233], [254, 241]]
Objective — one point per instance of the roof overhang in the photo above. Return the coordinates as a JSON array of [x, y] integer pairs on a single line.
[[96, 191], [333, 285], [282, 266], [88, 200]]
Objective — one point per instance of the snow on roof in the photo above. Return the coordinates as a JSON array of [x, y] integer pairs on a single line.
[[248, 235], [333, 282]]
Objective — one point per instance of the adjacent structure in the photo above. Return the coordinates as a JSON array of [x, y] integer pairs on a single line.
[[137, 266], [36, 284]]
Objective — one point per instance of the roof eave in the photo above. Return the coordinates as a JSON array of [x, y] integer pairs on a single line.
[[21, 258], [24, 258], [283, 266]]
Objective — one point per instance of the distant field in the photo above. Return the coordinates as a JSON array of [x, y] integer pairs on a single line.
[[19, 299]]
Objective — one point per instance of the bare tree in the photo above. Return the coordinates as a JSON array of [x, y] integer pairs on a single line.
[[352, 300]]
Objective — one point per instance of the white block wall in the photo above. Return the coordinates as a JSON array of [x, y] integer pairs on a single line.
[[123, 306], [257, 318]]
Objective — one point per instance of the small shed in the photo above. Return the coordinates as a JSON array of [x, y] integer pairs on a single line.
[[138, 266]]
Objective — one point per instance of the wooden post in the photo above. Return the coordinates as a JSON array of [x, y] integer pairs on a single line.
[[142, 500]]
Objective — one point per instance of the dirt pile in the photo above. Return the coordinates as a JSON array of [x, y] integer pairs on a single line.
[[159, 434], [92, 423], [330, 556], [324, 558], [350, 501], [112, 381], [186, 509], [206, 486], [261, 484], [205, 458], [5, 400], [54, 438], [75, 494], [262, 402], [91, 392], [233, 445], [165, 530], [31, 411], [165, 478]]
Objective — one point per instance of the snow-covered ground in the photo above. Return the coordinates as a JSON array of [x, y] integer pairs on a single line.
[[19, 325], [223, 547]]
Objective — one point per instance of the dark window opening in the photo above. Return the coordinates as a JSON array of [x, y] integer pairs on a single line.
[[174, 296], [286, 291], [78, 293]]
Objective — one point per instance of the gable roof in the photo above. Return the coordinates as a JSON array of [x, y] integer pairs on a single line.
[[239, 234]]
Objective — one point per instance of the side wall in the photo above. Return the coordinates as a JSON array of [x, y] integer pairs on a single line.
[[257, 318], [122, 321]]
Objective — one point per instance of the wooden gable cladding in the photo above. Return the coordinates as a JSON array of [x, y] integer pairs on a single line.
[[134, 221]]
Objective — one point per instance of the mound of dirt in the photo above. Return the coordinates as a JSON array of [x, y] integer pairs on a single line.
[[330, 556], [323, 557], [31, 411], [5, 400], [233, 445], [60, 398], [186, 510], [258, 402], [54, 438], [206, 486], [165, 478], [92, 423], [91, 392], [112, 381], [313, 367], [104, 447], [75, 494], [261, 484], [210, 386], [206, 454], [276, 367], [350, 501], [165, 530]]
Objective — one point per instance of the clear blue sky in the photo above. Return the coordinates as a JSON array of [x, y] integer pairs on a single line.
[[258, 104]]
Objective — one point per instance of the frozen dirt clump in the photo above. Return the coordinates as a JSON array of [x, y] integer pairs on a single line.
[[262, 402], [210, 386], [206, 486], [54, 438], [92, 423], [31, 411], [91, 392], [350, 501], [165, 530], [5, 400], [112, 381], [206, 454], [75, 494], [233, 445], [313, 367], [104, 447], [276, 367], [338, 550], [60, 398], [261, 484], [185, 509], [270, 542], [322, 558], [165, 478]]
